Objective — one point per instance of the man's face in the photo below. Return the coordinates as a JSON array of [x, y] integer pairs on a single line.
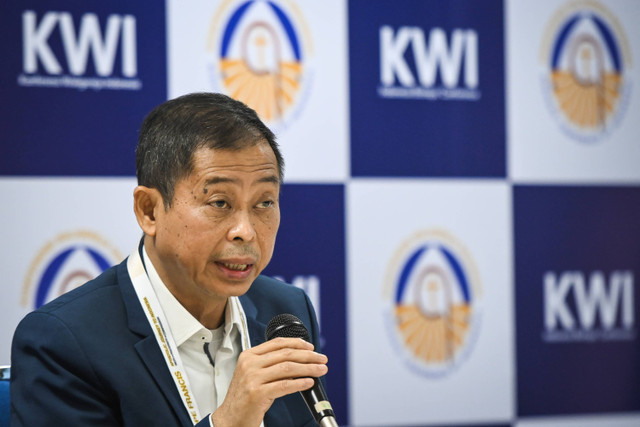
[[220, 230]]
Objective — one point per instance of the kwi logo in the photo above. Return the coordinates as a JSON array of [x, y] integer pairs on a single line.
[[453, 59], [578, 307], [88, 43]]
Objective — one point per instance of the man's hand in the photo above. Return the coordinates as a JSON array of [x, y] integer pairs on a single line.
[[273, 369]]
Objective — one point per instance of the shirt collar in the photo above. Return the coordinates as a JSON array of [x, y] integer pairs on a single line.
[[182, 323]]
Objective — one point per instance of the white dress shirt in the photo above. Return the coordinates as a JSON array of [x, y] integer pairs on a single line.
[[209, 356]]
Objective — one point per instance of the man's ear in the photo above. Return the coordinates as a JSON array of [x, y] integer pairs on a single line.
[[146, 205]]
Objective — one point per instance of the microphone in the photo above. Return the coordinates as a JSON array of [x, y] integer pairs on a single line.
[[289, 326]]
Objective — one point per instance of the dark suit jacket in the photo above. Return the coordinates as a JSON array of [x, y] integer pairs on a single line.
[[89, 358]]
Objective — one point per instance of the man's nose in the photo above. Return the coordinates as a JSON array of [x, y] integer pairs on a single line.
[[242, 227]]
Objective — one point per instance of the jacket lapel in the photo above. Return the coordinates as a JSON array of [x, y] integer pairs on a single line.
[[256, 328], [152, 358], [147, 347]]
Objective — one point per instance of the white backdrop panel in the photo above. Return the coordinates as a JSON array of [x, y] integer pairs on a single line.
[[310, 90], [546, 146], [388, 387], [42, 217]]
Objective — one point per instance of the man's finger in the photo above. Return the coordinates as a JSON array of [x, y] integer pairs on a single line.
[[288, 369], [278, 343], [287, 386]]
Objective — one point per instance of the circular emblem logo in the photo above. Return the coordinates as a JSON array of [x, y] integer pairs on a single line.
[[434, 295], [260, 54], [586, 61], [65, 263]]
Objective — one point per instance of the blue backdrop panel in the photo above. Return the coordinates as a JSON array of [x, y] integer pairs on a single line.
[[407, 118], [576, 256], [76, 81], [310, 243]]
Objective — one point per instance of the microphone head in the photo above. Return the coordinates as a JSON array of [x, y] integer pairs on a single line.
[[287, 326]]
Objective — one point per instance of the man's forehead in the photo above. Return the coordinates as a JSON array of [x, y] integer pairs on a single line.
[[259, 156], [222, 165]]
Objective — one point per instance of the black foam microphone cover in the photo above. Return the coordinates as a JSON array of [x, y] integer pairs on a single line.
[[287, 326]]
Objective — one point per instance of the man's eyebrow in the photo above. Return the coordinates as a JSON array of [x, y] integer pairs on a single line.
[[270, 179], [221, 179]]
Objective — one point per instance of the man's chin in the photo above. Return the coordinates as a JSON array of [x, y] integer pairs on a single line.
[[236, 288]]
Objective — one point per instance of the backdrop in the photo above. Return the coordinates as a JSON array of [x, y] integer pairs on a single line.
[[462, 183]]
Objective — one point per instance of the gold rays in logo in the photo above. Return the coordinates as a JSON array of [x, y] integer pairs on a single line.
[[587, 104], [271, 94], [433, 338]]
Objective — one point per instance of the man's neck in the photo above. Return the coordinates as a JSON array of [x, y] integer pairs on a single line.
[[210, 315]]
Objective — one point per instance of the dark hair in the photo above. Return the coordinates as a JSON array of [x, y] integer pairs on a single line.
[[176, 129]]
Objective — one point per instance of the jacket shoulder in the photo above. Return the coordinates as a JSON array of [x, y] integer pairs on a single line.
[[96, 289]]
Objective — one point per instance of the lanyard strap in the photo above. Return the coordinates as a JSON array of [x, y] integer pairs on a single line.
[[162, 331]]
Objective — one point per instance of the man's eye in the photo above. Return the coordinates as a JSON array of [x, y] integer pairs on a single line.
[[221, 204], [266, 204]]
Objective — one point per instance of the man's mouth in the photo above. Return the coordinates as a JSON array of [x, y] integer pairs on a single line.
[[235, 267]]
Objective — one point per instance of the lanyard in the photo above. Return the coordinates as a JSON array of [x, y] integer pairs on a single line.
[[162, 332]]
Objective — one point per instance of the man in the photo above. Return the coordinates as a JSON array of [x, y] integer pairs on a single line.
[[174, 334]]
